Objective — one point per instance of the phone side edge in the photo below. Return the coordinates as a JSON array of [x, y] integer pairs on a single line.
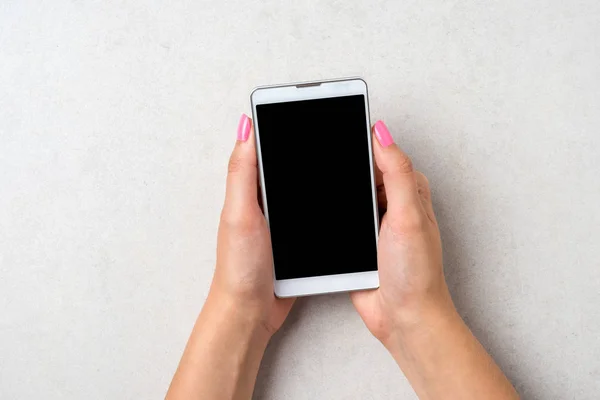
[[260, 170]]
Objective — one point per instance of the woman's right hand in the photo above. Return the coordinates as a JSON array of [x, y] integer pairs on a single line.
[[411, 276], [412, 313]]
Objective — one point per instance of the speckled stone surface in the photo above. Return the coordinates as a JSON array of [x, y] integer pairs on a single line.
[[116, 122]]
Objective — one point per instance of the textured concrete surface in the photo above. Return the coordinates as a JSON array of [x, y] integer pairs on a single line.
[[116, 122]]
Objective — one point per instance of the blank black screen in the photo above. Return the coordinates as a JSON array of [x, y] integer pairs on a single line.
[[315, 158]]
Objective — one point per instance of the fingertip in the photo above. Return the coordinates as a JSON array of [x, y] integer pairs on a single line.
[[396, 169], [363, 300], [392, 157], [242, 168]]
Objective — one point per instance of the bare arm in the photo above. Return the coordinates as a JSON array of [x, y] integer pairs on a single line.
[[222, 356], [443, 360]]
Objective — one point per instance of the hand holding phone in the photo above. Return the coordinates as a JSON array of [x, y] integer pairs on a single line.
[[243, 278], [410, 248], [411, 313]]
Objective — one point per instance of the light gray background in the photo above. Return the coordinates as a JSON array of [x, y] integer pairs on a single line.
[[116, 123]]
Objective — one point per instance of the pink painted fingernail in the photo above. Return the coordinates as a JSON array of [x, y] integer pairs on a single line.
[[243, 128], [383, 134]]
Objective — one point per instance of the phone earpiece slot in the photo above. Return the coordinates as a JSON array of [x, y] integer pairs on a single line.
[[305, 85]]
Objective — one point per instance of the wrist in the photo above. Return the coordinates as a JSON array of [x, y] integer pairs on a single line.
[[420, 319], [225, 312], [224, 351]]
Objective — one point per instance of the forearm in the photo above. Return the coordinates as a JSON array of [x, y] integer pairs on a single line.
[[443, 360], [222, 357]]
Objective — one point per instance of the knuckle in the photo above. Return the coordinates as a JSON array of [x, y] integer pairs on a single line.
[[235, 164], [404, 164], [244, 222], [423, 184], [409, 221], [422, 179]]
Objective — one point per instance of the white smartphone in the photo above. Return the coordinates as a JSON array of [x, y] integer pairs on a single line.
[[315, 159]]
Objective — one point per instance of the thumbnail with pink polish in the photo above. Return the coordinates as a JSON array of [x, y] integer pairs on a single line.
[[243, 130]]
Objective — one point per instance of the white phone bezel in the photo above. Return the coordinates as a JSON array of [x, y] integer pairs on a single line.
[[308, 91]]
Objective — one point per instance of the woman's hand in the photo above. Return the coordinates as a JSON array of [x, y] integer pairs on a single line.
[[412, 313], [409, 250], [241, 313], [244, 272]]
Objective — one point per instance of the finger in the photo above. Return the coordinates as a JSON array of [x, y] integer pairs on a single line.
[[425, 194], [378, 176], [366, 303], [362, 299], [381, 198], [380, 189], [396, 169], [242, 174]]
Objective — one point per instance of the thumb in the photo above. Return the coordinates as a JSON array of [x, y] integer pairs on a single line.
[[242, 176], [397, 171]]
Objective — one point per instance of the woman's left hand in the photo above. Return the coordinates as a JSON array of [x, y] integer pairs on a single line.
[[241, 313], [244, 271]]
